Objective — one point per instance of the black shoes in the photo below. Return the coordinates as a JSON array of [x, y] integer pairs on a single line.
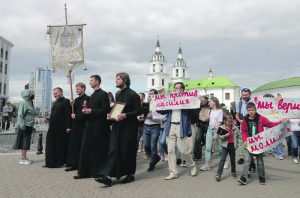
[[240, 161], [262, 180], [70, 168], [242, 180], [79, 177], [128, 179], [151, 168], [152, 165], [108, 181], [104, 180]]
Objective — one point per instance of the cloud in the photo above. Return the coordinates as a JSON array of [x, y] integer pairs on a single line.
[[251, 41]]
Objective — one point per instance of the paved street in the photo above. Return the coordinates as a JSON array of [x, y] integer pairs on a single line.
[[283, 179]]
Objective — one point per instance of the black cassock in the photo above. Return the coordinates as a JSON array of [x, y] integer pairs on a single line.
[[122, 152], [57, 136], [96, 135], [78, 125]]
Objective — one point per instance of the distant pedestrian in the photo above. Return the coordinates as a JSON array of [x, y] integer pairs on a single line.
[[25, 122], [7, 115]]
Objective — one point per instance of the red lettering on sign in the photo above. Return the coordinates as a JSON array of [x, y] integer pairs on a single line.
[[262, 104], [288, 106], [254, 148]]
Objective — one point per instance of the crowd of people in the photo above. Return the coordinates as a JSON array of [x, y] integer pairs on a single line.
[[84, 136]]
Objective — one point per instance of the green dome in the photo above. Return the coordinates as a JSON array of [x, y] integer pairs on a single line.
[[290, 82]]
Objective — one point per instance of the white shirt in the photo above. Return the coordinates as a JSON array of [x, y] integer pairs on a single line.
[[157, 118], [7, 109], [176, 114], [216, 116]]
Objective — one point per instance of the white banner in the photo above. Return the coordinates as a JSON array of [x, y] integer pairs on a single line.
[[278, 108], [269, 138], [66, 47], [176, 100]]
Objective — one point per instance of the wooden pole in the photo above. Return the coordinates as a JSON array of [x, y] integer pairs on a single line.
[[71, 89]]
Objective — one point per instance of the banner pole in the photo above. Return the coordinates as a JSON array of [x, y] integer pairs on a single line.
[[71, 90]]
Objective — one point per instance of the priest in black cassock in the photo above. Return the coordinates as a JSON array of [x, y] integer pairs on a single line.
[[58, 132], [96, 134], [78, 124], [121, 160]]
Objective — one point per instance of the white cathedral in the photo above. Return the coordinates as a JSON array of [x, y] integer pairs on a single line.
[[158, 78]]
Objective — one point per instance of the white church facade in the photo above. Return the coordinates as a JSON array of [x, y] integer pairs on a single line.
[[158, 78]]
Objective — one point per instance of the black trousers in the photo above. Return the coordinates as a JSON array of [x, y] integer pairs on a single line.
[[5, 119], [231, 150], [200, 140]]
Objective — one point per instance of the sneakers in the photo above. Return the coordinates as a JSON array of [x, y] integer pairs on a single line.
[[280, 157], [170, 177], [218, 177], [242, 180], [25, 162], [193, 170], [240, 161], [262, 180], [205, 167], [276, 156], [295, 160]]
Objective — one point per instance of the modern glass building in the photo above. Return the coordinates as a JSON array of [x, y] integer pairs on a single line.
[[5, 47], [42, 86]]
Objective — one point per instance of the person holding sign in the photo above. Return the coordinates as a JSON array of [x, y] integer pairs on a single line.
[[121, 159], [253, 124], [152, 132], [178, 129]]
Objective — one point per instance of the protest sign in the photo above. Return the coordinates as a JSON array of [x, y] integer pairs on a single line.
[[278, 108], [269, 138], [176, 100]]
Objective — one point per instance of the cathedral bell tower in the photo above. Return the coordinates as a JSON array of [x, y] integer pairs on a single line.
[[179, 69], [157, 78]]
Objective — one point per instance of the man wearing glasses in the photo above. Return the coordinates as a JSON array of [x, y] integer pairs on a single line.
[[241, 112]]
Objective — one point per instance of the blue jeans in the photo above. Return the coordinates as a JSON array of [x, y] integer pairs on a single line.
[[295, 144], [278, 150], [150, 136], [163, 148], [209, 142]]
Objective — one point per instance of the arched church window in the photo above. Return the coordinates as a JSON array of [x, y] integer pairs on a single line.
[[177, 73], [152, 81], [163, 82]]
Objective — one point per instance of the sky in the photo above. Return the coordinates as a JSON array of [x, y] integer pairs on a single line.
[[251, 42]]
